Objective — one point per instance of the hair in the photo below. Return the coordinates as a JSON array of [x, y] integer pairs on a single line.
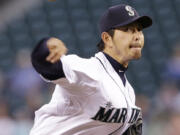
[[101, 44]]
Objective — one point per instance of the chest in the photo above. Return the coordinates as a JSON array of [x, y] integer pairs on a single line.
[[113, 105], [113, 98], [111, 89]]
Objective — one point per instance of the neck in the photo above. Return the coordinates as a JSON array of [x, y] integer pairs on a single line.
[[119, 59]]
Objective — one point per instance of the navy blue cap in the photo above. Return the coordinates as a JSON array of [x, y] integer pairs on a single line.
[[121, 15]]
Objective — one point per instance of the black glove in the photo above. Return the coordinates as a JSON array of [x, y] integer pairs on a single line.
[[135, 129]]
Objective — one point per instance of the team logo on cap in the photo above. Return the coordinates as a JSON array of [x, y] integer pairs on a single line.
[[130, 10]]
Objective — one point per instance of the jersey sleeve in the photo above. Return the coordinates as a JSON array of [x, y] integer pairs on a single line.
[[46, 69], [79, 70]]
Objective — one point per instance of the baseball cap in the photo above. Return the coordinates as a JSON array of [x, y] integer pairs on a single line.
[[121, 15]]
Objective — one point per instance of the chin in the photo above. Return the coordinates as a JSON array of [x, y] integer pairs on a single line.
[[137, 56]]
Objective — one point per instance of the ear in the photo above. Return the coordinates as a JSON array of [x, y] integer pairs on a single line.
[[107, 39]]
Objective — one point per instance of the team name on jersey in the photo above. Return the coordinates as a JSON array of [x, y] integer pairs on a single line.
[[116, 115]]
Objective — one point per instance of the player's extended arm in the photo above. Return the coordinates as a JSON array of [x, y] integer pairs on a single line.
[[45, 58]]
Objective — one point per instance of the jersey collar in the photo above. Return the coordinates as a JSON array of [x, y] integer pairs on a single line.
[[116, 65], [110, 69]]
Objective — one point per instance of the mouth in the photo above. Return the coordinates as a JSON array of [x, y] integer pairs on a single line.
[[135, 46]]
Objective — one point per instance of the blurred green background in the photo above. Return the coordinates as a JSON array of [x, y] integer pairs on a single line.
[[155, 77]]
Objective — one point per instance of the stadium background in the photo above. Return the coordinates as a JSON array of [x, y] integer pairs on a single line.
[[155, 77]]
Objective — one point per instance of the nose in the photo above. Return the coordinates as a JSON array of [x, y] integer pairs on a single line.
[[137, 35]]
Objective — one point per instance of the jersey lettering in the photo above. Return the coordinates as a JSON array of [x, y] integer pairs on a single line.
[[114, 118], [134, 115], [116, 115], [123, 115], [102, 115], [112, 115]]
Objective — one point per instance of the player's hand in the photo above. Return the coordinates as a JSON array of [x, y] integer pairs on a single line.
[[56, 49]]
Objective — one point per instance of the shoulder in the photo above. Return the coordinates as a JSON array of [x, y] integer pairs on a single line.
[[75, 60], [73, 64]]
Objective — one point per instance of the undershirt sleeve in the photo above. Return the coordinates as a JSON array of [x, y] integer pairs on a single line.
[[50, 71]]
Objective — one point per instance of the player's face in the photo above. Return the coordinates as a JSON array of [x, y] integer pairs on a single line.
[[127, 43]]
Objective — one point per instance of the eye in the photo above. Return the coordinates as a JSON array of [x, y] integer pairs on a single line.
[[131, 29], [139, 28], [126, 29]]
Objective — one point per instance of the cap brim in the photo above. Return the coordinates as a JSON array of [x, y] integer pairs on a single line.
[[145, 22]]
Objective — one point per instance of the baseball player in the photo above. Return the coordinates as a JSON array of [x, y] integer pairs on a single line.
[[93, 96]]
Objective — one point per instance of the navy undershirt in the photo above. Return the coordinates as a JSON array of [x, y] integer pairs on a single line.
[[119, 68], [55, 71]]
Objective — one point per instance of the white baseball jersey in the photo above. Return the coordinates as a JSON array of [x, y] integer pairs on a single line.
[[90, 100]]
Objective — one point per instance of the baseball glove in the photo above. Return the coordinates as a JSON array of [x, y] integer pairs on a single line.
[[135, 129]]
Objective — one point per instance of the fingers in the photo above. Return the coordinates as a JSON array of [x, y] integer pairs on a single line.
[[51, 47], [53, 57], [56, 49], [50, 57]]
